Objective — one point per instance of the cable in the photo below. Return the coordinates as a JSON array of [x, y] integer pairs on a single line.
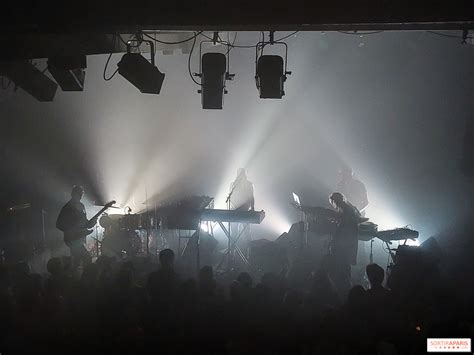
[[447, 35], [178, 42], [356, 33], [251, 46], [189, 62], [240, 46], [202, 34], [291, 34], [231, 46], [105, 70], [104, 74]]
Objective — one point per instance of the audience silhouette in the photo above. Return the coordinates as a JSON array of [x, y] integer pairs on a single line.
[[127, 307]]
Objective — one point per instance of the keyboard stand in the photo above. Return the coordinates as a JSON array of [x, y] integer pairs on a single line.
[[232, 247]]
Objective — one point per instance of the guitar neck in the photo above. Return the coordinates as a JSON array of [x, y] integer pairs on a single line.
[[99, 213]]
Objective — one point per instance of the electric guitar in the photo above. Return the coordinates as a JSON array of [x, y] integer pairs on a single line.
[[82, 232]]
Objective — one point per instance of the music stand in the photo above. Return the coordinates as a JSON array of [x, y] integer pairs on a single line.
[[305, 217]]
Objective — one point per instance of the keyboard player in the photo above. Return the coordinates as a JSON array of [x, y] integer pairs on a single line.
[[241, 198]]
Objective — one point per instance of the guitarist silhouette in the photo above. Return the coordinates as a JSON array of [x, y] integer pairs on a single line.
[[73, 222]]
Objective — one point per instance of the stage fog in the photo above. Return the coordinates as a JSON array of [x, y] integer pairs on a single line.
[[392, 106]]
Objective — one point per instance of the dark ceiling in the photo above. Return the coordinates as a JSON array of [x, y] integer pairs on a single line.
[[128, 16], [33, 29]]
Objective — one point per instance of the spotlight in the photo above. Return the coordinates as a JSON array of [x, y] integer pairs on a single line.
[[270, 72], [270, 77], [29, 78], [413, 242], [68, 71], [214, 71], [144, 75], [204, 227], [213, 76]]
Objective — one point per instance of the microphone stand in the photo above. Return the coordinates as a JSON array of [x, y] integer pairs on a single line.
[[227, 201], [229, 245]]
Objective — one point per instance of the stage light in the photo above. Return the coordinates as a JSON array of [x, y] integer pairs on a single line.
[[204, 227], [385, 216], [68, 71], [144, 75], [413, 242], [270, 77], [214, 72], [213, 76], [270, 71], [279, 225], [26, 76]]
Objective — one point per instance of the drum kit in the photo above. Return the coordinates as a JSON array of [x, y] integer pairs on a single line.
[[130, 234], [122, 234]]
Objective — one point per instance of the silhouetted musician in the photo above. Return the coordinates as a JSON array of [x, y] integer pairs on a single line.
[[241, 193], [241, 198], [344, 241], [71, 220], [353, 189], [355, 192]]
